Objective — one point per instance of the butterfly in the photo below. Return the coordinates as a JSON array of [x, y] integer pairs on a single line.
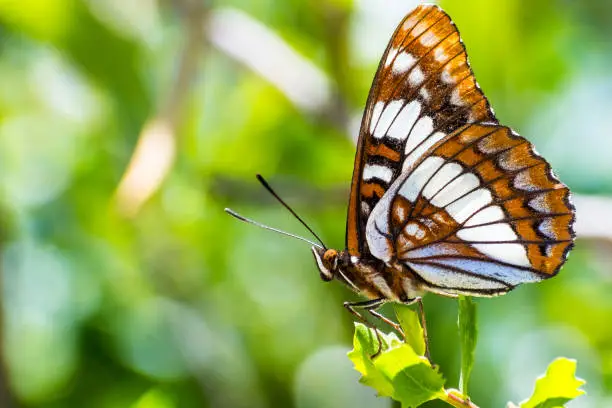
[[444, 198]]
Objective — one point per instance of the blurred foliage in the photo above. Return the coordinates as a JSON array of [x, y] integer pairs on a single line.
[[182, 306]]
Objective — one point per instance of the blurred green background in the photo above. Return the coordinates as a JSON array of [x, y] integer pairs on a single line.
[[126, 126]]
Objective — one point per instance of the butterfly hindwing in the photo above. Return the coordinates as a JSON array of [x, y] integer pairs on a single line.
[[479, 213], [423, 90]]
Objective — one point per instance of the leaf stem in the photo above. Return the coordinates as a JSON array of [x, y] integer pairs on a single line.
[[456, 399]]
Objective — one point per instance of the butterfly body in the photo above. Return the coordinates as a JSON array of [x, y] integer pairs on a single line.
[[443, 198], [371, 277]]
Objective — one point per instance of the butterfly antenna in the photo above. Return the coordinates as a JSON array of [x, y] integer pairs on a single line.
[[250, 221], [280, 200]]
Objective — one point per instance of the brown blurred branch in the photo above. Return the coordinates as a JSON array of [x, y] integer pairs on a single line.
[[155, 149], [309, 89]]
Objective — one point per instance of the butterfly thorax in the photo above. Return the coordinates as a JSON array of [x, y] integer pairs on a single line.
[[370, 277]]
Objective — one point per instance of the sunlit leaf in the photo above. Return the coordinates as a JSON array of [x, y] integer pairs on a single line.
[[411, 325], [413, 379], [398, 372], [558, 386], [365, 345]]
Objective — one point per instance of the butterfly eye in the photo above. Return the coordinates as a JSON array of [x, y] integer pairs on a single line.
[[330, 257]]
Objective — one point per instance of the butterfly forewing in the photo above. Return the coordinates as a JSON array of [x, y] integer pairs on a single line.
[[423, 90]]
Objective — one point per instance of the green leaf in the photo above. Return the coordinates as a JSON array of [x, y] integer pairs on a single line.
[[365, 344], [468, 334], [558, 386], [411, 325], [413, 379], [398, 372]]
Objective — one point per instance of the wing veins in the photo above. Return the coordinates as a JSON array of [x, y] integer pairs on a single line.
[[414, 90], [411, 96], [461, 225], [462, 272], [424, 259], [516, 241], [469, 169], [407, 34], [446, 161], [493, 180], [403, 76], [510, 220], [436, 129]]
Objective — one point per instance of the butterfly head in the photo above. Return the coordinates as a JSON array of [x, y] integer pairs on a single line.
[[341, 266], [328, 261]]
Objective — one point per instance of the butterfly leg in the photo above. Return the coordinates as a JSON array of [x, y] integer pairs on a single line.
[[368, 305], [390, 322]]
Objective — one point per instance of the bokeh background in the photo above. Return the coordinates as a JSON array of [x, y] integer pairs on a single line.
[[126, 126]]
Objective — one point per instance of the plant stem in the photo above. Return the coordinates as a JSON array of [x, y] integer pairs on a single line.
[[456, 399]]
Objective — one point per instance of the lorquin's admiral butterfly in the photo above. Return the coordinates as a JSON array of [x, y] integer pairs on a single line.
[[443, 198]]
